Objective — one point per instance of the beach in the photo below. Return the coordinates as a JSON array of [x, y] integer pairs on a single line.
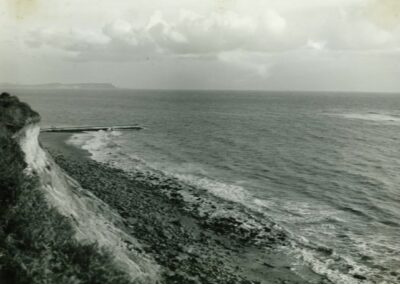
[[188, 243]]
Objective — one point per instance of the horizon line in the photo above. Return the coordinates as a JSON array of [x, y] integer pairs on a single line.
[[38, 85]]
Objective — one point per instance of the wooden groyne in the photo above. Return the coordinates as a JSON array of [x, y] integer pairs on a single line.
[[90, 128]]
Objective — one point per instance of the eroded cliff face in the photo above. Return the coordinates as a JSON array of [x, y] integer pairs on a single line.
[[14, 116], [91, 221]]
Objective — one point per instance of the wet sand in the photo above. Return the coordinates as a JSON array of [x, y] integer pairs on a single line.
[[190, 243]]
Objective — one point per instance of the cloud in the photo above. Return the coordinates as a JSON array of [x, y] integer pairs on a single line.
[[163, 32], [70, 40], [301, 40], [336, 25], [189, 34], [315, 44], [122, 31], [254, 63], [192, 33], [274, 22]]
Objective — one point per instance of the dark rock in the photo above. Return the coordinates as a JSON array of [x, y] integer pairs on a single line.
[[268, 265], [360, 277]]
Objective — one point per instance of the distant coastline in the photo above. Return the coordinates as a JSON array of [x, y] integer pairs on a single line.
[[77, 86]]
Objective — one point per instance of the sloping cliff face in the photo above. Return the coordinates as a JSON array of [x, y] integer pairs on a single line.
[[14, 115], [53, 229]]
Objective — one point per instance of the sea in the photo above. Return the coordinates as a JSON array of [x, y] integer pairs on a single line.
[[324, 167]]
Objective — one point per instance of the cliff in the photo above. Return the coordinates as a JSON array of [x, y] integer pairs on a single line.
[[51, 229], [14, 115]]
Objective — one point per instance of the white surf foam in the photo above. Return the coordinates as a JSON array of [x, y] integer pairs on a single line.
[[374, 117], [99, 144], [223, 190]]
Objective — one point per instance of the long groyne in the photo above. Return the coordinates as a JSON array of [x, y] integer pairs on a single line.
[[91, 128]]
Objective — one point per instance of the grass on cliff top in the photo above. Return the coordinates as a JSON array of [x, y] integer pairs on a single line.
[[15, 114]]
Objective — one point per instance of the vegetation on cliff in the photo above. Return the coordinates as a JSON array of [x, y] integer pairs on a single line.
[[37, 244]]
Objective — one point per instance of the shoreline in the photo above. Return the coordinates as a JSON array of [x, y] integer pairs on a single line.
[[58, 141], [189, 245]]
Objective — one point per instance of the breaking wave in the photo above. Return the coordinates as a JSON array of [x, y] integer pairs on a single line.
[[373, 117]]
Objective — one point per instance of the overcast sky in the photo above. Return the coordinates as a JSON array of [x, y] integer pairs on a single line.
[[341, 45]]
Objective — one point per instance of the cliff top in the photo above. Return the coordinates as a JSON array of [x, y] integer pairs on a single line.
[[15, 114]]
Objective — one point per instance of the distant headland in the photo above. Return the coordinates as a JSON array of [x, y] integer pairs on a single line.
[[59, 86]]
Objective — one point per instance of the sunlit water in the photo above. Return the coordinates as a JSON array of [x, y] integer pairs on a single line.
[[326, 167]]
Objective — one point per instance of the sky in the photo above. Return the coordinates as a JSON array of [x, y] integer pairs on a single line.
[[331, 45]]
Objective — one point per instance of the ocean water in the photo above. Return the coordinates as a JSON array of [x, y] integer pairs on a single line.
[[325, 167]]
